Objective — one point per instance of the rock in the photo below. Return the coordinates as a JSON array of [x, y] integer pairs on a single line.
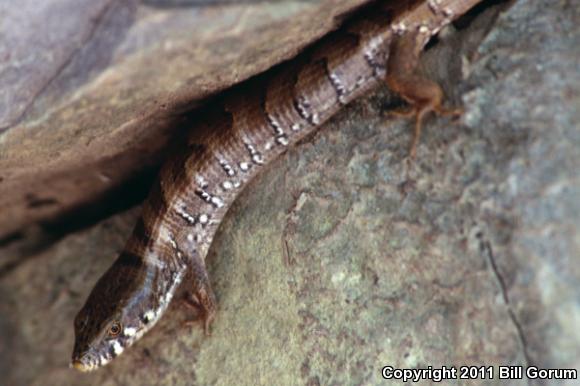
[[91, 105], [342, 258]]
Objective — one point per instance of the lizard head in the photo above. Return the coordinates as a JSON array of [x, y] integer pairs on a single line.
[[124, 304]]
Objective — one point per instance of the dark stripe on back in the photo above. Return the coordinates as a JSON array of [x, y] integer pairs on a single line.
[[174, 172], [129, 260], [142, 233], [157, 200]]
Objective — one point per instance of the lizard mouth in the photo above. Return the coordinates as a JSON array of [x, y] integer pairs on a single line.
[[86, 363], [80, 366], [83, 366]]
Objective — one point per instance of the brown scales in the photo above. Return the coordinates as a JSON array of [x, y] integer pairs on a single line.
[[257, 123]]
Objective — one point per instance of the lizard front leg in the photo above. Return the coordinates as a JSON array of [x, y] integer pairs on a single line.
[[201, 296]]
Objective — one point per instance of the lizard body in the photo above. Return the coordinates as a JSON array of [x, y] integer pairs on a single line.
[[230, 145]]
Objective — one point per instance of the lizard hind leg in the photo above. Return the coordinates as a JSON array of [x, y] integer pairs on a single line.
[[424, 96], [403, 77]]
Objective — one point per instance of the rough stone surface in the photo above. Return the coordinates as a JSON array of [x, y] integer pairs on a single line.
[[342, 258], [91, 91]]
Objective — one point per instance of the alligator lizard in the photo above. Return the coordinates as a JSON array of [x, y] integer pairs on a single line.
[[231, 145]]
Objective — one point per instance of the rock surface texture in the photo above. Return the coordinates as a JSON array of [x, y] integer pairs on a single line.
[[342, 257], [91, 91]]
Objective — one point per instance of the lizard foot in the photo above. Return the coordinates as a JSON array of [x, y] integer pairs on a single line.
[[201, 297], [207, 316]]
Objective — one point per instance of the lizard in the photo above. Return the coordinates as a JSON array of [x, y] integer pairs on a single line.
[[247, 129]]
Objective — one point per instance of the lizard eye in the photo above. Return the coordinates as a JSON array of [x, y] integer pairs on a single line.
[[115, 329]]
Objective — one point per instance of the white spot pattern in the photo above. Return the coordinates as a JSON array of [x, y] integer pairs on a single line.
[[201, 182], [117, 348], [188, 217], [227, 168], [148, 316], [282, 141]]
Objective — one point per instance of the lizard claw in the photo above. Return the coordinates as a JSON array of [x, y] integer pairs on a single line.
[[202, 303]]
